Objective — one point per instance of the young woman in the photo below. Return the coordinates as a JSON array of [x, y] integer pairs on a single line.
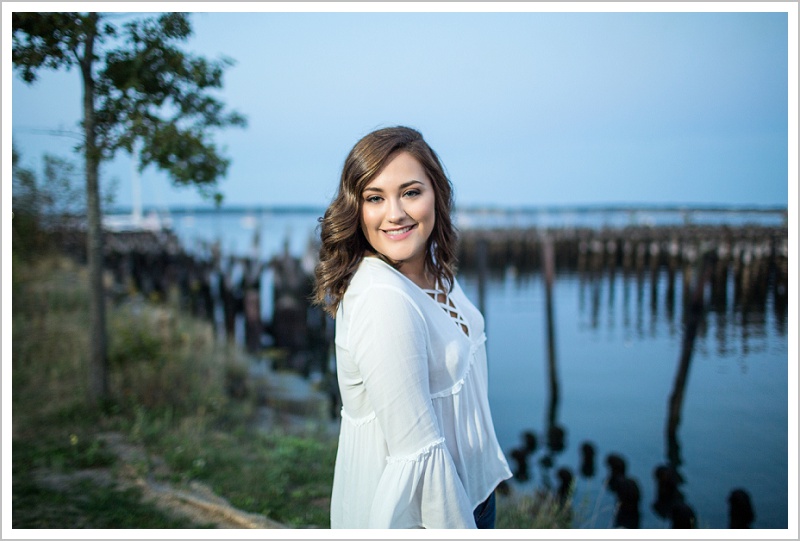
[[417, 447]]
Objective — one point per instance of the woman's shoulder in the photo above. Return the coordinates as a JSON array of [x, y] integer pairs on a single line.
[[374, 273], [377, 291]]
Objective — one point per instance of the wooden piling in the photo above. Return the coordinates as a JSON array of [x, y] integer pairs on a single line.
[[548, 269], [482, 255], [694, 315]]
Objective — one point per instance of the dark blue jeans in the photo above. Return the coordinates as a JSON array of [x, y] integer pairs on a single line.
[[485, 513]]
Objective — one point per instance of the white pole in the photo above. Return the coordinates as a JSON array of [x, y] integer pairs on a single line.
[[136, 187]]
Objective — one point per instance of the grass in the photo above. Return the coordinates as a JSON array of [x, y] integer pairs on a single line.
[[283, 476], [169, 378], [168, 388], [535, 511], [86, 505]]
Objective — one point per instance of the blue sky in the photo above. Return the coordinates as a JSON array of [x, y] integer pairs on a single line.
[[525, 109]]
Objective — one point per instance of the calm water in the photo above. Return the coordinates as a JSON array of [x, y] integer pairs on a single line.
[[617, 358], [617, 347]]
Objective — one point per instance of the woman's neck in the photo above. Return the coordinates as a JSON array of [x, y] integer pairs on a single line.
[[419, 275], [414, 271]]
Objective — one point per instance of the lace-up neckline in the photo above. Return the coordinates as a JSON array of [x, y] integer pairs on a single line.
[[446, 303]]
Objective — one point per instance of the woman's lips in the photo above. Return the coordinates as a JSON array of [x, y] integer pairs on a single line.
[[399, 233]]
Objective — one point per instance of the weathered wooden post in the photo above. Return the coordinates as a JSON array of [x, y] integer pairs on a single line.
[[548, 263], [694, 313], [655, 263], [611, 250], [719, 278], [583, 249], [673, 261], [781, 284], [290, 309], [689, 258], [205, 292], [597, 249], [230, 300], [555, 433], [627, 255], [481, 256], [251, 285], [641, 253]]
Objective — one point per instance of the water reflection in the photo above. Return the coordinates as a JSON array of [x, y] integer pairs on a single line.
[[736, 289]]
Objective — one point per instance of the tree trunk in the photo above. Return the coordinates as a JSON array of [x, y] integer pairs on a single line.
[[98, 360]]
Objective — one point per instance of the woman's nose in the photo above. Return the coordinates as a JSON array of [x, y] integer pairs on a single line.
[[396, 212]]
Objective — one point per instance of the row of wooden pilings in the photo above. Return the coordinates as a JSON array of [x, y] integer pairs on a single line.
[[755, 257], [226, 289]]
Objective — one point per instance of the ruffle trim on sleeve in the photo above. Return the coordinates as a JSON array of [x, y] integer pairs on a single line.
[[421, 490], [419, 455], [361, 420]]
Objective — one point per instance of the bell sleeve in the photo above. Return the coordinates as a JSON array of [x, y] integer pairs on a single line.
[[420, 486]]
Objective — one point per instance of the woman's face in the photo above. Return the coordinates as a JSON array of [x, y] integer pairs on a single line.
[[398, 213]]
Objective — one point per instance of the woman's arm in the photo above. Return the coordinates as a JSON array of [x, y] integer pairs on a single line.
[[388, 340]]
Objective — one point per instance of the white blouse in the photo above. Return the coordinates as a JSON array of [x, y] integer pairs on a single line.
[[417, 447]]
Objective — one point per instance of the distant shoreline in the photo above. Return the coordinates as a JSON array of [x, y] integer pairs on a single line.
[[472, 209]]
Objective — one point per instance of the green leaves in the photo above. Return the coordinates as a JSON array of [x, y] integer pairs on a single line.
[[43, 40], [146, 88], [52, 40], [185, 153]]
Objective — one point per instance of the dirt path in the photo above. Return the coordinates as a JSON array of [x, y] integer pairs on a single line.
[[195, 502]]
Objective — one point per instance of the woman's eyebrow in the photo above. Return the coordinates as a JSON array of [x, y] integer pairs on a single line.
[[403, 186]]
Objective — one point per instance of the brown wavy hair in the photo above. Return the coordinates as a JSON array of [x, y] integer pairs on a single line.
[[343, 242]]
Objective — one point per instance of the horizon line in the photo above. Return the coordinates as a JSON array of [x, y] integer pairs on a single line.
[[471, 208]]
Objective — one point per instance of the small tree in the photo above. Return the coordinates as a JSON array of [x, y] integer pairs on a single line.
[[26, 228], [138, 86], [43, 205]]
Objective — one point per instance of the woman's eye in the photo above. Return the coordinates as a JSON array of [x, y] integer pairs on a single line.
[[373, 199], [412, 193]]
